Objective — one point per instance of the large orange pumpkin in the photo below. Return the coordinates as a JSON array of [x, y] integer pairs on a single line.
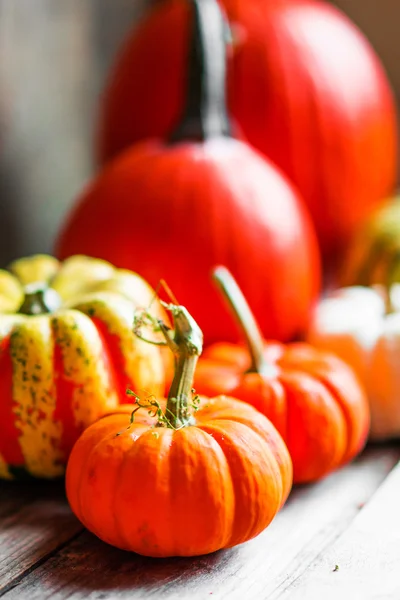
[[67, 354], [313, 398], [305, 87], [188, 479], [174, 211]]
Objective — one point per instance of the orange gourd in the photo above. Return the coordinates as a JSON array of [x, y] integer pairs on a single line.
[[67, 354], [175, 209], [183, 478], [305, 87], [313, 398]]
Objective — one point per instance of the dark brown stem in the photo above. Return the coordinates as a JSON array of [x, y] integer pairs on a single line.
[[39, 300], [205, 114], [245, 318], [187, 345]]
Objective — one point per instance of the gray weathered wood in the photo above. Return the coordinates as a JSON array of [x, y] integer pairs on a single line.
[[313, 519], [364, 563], [34, 521]]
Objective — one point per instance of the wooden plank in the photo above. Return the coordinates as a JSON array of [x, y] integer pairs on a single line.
[[311, 521], [35, 520], [365, 562], [16, 494]]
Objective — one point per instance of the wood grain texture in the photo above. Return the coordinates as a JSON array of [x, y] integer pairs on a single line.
[[311, 522], [35, 520], [365, 562]]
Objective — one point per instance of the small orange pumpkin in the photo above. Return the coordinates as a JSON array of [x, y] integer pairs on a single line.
[[312, 397], [175, 481]]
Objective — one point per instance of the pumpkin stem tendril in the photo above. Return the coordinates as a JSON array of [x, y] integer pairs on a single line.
[[185, 341]]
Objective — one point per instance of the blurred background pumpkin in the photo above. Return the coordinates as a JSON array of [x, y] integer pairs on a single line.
[[55, 58], [176, 207], [313, 104]]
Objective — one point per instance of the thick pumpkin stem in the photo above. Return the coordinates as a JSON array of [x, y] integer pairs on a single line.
[[39, 300], [205, 114], [187, 345], [245, 318]]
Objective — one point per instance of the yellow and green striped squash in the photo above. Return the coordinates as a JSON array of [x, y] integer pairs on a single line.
[[67, 355]]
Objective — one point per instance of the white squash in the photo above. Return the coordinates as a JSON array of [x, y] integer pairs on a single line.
[[356, 324]]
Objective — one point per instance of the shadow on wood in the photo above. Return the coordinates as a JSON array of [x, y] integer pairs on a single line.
[[35, 490], [35, 521], [315, 517], [88, 565]]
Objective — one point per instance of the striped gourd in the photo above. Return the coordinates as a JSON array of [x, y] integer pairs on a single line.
[[67, 355]]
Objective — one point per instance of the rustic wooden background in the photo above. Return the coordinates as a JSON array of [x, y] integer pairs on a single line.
[[54, 56], [338, 538]]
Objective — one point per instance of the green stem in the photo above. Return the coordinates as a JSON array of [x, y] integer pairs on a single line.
[[392, 277], [39, 300], [245, 318], [187, 345], [205, 114]]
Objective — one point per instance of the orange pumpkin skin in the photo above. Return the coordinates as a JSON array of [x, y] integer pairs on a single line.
[[228, 206], [163, 492], [177, 208], [315, 106], [313, 399]]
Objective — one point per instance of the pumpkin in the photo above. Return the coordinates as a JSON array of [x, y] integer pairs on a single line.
[[67, 353], [313, 398], [305, 87], [174, 211], [183, 478], [373, 254], [362, 326]]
